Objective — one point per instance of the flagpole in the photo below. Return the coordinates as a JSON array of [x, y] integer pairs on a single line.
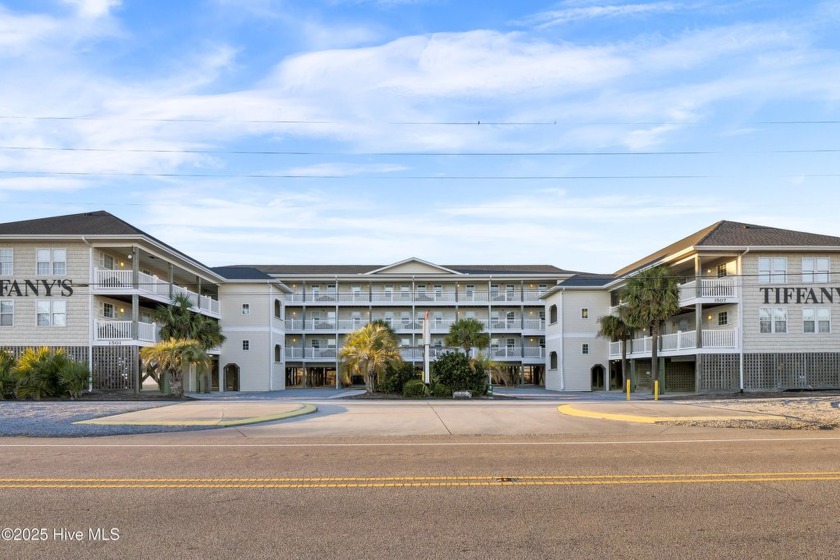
[[426, 342]]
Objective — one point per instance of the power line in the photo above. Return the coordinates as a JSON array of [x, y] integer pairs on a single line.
[[405, 177], [410, 154], [478, 122]]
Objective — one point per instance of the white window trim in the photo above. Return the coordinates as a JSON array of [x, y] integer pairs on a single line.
[[774, 275], [54, 305], [10, 262], [773, 319], [11, 303], [814, 273], [815, 313], [51, 262], [246, 308]]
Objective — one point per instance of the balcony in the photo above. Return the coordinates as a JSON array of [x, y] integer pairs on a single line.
[[120, 331], [417, 297], [120, 282], [679, 343], [711, 290]]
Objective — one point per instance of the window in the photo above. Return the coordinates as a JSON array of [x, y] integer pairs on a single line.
[[816, 320], [106, 261], [721, 270], [552, 313], [723, 318], [51, 313], [389, 318], [584, 349], [278, 309], [469, 292], [278, 353], [7, 262], [246, 308], [108, 310], [584, 313], [772, 320], [51, 262], [510, 318], [552, 360], [815, 270], [246, 345], [405, 318], [7, 313], [772, 270]]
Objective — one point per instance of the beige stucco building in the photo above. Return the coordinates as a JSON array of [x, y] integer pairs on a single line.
[[759, 309]]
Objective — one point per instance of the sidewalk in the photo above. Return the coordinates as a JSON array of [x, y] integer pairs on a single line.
[[213, 413]]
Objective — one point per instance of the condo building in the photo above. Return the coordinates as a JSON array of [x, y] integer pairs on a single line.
[[759, 310]]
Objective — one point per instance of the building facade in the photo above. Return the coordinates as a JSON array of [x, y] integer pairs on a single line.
[[327, 303], [759, 309]]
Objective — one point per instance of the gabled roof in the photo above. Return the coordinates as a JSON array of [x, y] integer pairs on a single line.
[[736, 235], [241, 273], [88, 224], [587, 281], [434, 268], [353, 269]]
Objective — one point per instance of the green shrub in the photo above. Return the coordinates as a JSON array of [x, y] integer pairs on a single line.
[[37, 372], [8, 380], [73, 378], [441, 391], [415, 389], [396, 376], [455, 370]]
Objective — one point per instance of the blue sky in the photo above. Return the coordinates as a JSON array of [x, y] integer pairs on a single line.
[[584, 134]]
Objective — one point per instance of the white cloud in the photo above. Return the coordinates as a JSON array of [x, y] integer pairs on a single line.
[[557, 17], [93, 8]]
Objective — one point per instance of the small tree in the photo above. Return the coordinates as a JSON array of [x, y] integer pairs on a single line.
[[459, 373], [368, 351], [614, 328], [37, 372], [651, 297], [8, 380], [173, 356], [178, 321], [467, 333]]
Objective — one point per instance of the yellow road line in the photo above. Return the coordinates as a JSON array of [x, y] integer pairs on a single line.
[[569, 410], [414, 482]]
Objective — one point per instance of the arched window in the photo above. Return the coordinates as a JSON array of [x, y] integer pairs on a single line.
[[552, 314], [278, 309], [278, 353], [552, 361]]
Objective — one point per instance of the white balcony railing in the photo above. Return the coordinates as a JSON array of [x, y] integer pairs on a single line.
[[713, 339], [533, 352], [417, 296], [506, 352], [120, 281], [713, 288], [108, 330]]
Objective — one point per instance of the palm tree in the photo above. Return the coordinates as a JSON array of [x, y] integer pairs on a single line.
[[651, 297], [180, 322], [368, 351], [614, 328], [499, 373], [467, 333], [173, 356]]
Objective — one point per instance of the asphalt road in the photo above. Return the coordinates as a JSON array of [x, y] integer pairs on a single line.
[[616, 491]]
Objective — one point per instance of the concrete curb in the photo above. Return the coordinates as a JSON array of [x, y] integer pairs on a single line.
[[568, 410], [300, 411]]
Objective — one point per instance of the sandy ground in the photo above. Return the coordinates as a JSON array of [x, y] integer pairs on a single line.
[[801, 413]]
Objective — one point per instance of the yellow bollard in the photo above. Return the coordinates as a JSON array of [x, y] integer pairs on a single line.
[[628, 389], [656, 390]]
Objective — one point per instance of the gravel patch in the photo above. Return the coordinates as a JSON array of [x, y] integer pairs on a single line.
[[801, 413], [55, 419]]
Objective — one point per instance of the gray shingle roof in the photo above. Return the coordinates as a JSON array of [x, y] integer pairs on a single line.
[[341, 269], [737, 235], [240, 273], [87, 223], [588, 280]]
